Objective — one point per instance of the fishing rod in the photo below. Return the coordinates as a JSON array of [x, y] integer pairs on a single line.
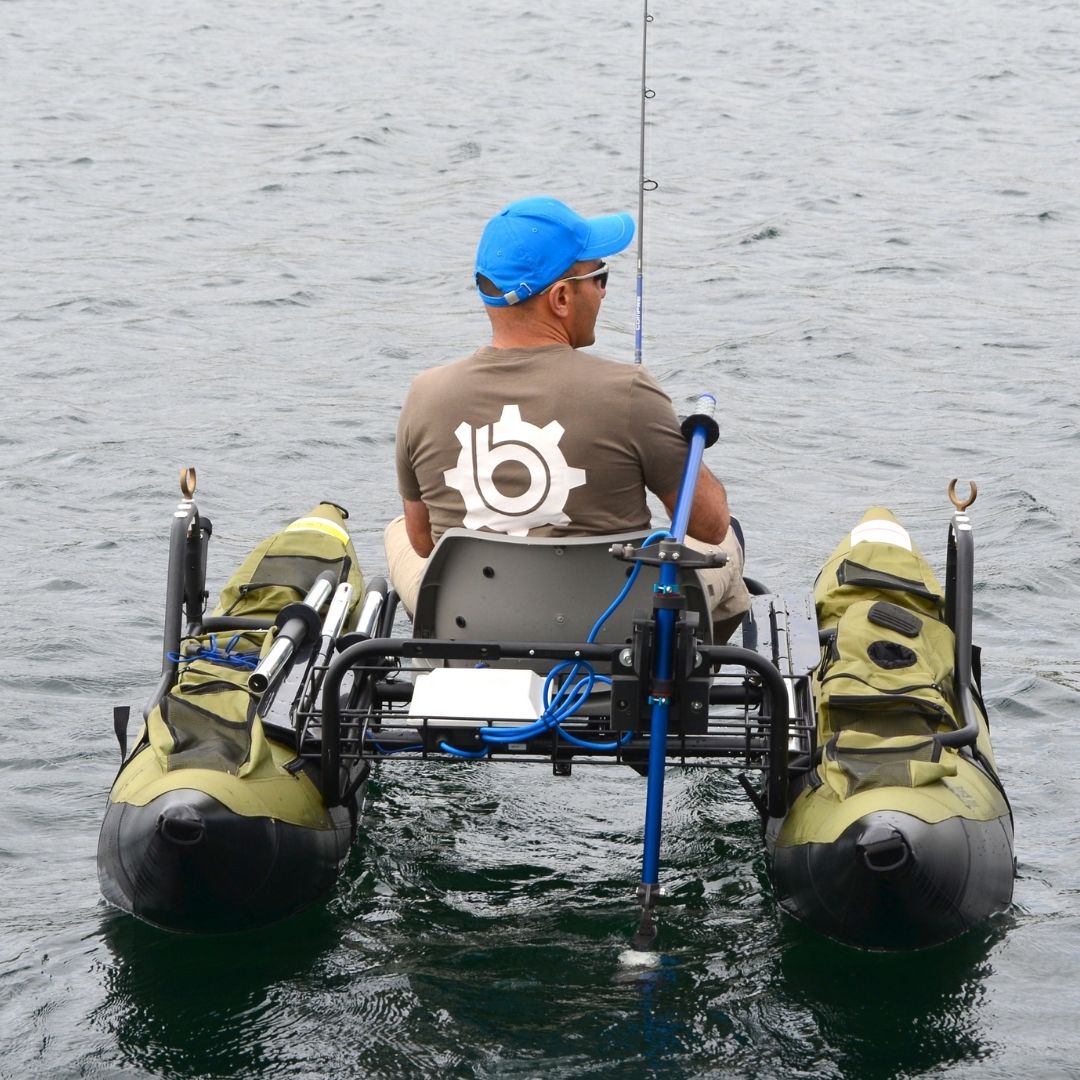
[[643, 184]]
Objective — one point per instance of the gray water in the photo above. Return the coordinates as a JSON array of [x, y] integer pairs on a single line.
[[231, 234]]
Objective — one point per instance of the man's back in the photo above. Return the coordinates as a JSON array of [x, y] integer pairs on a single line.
[[548, 441]]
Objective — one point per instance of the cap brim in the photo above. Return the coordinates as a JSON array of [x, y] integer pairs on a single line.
[[608, 235]]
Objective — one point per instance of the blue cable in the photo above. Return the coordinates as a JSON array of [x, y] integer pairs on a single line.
[[558, 708], [660, 534], [247, 661], [622, 741], [397, 750], [453, 750]]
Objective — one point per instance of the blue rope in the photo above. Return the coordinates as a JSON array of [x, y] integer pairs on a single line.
[[229, 658]]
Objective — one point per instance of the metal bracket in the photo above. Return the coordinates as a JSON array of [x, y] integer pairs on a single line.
[[634, 690], [668, 552]]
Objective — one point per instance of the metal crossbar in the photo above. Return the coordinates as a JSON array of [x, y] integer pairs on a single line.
[[369, 716]]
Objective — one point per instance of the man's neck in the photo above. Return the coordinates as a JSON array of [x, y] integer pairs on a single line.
[[527, 337]]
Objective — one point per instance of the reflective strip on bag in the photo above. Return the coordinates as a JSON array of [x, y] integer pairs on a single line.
[[318, 524]]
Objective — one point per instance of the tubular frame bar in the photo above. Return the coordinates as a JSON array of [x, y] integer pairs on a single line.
[[370, 656], [959, 589], [184, 533]]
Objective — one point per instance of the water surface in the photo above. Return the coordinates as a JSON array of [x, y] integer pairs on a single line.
[[233, 232]]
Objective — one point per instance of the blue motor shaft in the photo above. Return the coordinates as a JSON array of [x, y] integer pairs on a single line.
[[701, 431]]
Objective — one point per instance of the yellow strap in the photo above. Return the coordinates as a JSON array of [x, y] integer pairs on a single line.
[[318, 524]]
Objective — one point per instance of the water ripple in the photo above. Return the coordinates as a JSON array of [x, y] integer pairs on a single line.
[[236, 248]]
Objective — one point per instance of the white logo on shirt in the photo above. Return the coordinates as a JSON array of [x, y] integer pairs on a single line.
[[536, 449]]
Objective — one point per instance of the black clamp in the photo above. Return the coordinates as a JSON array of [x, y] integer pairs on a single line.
[[634, 686], [672, 600]]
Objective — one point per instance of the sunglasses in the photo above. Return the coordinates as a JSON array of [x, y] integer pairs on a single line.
[[600, 274]]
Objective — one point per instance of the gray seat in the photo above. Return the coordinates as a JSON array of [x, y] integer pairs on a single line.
[[484, 586]]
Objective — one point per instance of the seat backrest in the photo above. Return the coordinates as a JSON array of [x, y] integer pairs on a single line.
[[486, 586]]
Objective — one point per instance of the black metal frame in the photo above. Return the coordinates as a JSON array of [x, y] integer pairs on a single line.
[[730, 705], [959, 601], [185, 589], [745, 724]]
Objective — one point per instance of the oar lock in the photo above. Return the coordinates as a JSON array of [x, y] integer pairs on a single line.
[[963, 504], [187, 482]]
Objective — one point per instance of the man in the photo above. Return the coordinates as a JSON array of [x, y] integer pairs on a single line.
[[531, 436]]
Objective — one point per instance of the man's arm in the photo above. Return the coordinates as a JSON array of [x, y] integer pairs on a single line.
[[709, 514], [418, 526]]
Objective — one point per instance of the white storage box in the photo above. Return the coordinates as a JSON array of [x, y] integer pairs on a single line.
[[469, 697]]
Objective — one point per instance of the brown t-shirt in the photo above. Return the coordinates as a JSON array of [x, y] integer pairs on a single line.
[[546, 442]]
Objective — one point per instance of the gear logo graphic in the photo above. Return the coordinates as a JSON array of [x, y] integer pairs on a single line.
[[528, 450]]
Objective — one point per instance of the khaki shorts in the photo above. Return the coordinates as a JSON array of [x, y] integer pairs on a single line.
[[406, 568], [728, 597]]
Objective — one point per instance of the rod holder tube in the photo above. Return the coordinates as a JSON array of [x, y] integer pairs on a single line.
[[297, 623], [185, 519], [338, 611], [198, 544], [333, 624], [371, 609]]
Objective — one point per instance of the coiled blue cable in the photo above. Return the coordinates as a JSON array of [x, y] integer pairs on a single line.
[[565, 703]]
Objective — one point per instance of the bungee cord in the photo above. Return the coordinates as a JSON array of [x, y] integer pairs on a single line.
[[227, 656]]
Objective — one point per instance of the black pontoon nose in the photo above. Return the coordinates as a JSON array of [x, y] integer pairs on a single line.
[[893, 881], [181, 824], [186, 862]]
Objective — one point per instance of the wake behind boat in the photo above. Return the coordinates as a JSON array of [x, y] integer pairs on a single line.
[[857, 709]]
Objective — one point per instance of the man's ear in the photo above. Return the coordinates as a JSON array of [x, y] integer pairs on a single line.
[[558, 298]]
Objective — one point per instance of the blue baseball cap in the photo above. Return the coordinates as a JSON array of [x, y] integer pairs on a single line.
[[531, 243]]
